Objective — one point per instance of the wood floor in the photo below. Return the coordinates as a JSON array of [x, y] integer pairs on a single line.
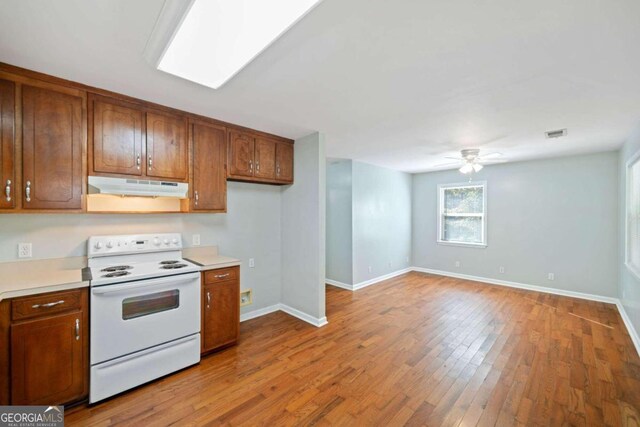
[[414, 350]]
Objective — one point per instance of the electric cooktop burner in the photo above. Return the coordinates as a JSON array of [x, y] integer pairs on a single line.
[[117, 268], [168, 262], [173, 266], [117, 273]]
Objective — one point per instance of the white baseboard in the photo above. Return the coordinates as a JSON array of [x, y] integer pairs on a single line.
[[627, 322], [555, 291], [318, 322], [259, 312], [591, 297], [380, 278], [338, 284]]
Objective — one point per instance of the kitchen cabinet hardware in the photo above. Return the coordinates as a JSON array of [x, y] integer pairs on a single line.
[[221, 276], [77, 329], [27, 191], [47, 305], [196, 197], [7, 190], [208, 300], [138, 162], [150, 163]]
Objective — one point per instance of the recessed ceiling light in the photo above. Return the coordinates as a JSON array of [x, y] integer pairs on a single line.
[[556, 133], [217, 38]]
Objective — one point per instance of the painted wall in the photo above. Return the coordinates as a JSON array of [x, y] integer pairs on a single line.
[[250, 229], [549, 216], [339, 221], [303, 230], [381, 221], [629, 286]]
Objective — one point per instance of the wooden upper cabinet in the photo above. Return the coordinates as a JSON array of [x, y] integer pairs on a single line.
[[53, 135], [7, 145], [284, 162], [209, 168], [117, 137], [167, 147], [265, 158], [241, 154]]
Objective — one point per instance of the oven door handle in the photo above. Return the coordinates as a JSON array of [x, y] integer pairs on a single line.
[[174, 280]]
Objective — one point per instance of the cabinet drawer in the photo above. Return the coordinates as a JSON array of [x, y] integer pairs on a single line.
[[221, 275], [45, 304]]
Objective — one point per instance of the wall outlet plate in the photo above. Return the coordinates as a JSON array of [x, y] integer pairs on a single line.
[[501, 269], [246, 297], [25, 250], [196, 240], [551, 276], [457, 263], [252, 262]]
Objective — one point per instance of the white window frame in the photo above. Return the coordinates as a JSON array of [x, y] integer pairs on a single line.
[[441, 190], [629, 214]]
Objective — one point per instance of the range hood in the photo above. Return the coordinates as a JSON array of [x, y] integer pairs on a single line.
[[137, 187]]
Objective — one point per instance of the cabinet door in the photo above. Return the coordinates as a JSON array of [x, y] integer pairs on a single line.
[[48, 360], [241, 152], [167, 147], [209, 168], [7, 145], [117, 137], [53, 139], [221, 314], [284, 162], [265, 154]]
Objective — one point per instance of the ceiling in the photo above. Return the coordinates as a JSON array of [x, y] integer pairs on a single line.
[[398, 84]]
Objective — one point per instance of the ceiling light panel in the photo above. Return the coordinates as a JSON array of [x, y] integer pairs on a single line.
[[217, 38]]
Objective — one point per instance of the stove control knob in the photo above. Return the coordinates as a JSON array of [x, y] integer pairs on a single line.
[[174, 241], [156, 241], [98, 245], [166, 241], [109, 244]]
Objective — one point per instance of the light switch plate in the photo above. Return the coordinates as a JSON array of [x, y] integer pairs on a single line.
[[252, 262]]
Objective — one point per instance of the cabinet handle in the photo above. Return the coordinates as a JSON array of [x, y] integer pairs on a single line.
[[77, 329], [28, 191], [251, 166], [258, 166], [150, 163], [221, 276], [138, 162], [197, 197], [7, 190], [277, 169], [47, 305], [208, 299]]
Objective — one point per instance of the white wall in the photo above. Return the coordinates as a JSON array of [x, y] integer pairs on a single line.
[[250, 229], [339, 222], [303, 230], [629, 286], [381, 221], [549, 216]]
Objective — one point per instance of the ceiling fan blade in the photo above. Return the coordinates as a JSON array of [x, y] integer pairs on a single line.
[[442, 165], [460, 159], [489, 162], [490, 155]]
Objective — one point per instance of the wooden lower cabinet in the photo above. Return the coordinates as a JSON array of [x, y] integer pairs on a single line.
[[220, 308], [48, 348]]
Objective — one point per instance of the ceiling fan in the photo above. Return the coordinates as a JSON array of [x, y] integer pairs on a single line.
[[471, 160]]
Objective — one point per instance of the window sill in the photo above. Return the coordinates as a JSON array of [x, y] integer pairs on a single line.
[[466, 245]]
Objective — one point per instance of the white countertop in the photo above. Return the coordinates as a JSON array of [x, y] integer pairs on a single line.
[[21, 278], [31, 277]]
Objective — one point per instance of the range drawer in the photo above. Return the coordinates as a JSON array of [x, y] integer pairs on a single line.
[[221, 275], [45, 304]]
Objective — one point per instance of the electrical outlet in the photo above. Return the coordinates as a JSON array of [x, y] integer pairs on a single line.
[[501, 269], [252, 262], [24, 250], [457, 263], [551, 276], [196, 240], [369, 269]]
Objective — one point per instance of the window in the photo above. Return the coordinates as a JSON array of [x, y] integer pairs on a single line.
[[462, 218], [633, 216]]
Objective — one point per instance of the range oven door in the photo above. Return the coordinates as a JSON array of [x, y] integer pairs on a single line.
[[134, 316]]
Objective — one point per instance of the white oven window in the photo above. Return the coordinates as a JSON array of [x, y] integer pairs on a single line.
[[146, 305]]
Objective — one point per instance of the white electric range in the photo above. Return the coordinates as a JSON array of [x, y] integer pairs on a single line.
[[145, 311]]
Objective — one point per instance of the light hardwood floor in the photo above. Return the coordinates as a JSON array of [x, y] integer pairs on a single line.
[[414, 350]]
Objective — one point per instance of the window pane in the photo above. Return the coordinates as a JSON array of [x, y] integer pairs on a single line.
[[463, 229], [463, 200]]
